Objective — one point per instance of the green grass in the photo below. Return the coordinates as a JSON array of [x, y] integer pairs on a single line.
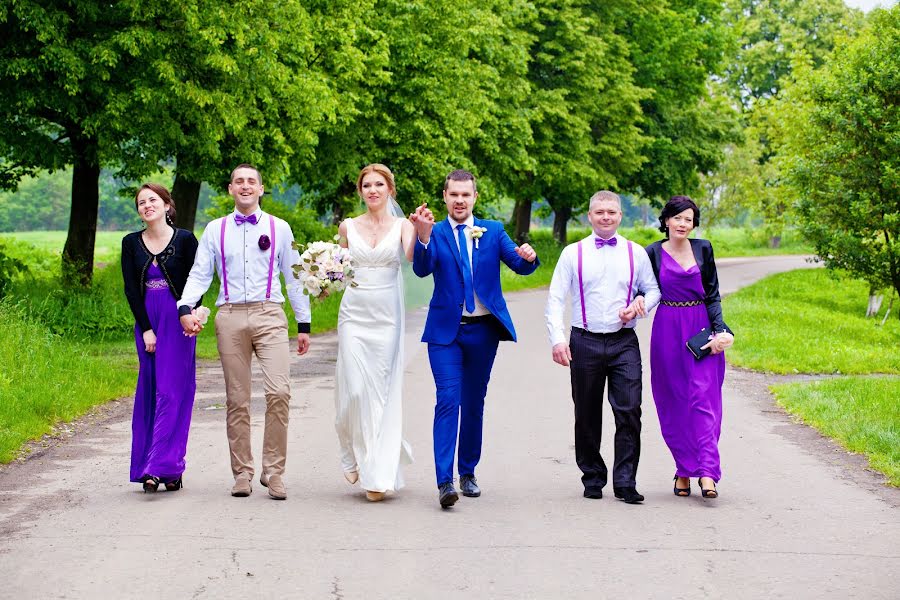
[[808, 322], [862, 413], [107, 246], [46, 379]]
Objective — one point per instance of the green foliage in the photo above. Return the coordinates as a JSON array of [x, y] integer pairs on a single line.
[[774, 35], [676, 47], [842, 152], [46, 379], [775, 39], [10, 269], [862, 413], [808, 322]]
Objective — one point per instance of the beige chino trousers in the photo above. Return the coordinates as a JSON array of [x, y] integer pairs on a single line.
[[242, 330]]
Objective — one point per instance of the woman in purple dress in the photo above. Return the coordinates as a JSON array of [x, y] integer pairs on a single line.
[[155, 266], [688, 391]]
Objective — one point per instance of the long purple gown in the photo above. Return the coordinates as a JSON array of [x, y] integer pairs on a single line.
[[164, 397], [687, 391]]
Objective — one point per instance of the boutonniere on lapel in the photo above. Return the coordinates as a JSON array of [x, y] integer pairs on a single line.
[[264, 242], [475, 232]]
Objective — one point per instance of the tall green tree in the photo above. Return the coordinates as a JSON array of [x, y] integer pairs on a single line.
[[443, 99], [584, 108], [61, 75], [677, 48], [775, 37], [841, 150], [253, 81]]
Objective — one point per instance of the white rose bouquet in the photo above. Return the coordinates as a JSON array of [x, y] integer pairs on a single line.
[[324, 268]]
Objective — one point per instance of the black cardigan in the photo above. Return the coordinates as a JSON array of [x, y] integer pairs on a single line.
[[703, 254], [175, 262]]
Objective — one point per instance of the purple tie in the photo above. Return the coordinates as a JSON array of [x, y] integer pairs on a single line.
[[601, 242], [241, 219]]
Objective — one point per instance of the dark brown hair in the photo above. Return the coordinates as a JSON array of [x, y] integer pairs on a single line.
[[163, 194], [460, 175], [675, 205], [246, 166]]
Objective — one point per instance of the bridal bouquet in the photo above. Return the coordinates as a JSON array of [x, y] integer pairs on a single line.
[[324, 267]]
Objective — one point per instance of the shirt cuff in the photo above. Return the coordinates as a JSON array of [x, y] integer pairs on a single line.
[[303, 327], [184, 310]]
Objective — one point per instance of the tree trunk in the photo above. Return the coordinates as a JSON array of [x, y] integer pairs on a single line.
[[522, 221], [775, 241], [560, 221], [186, 194], [339, 204], [78, 253]]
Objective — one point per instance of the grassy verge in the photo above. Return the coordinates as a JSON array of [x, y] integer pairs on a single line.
[[807, 322], [862, 413], [45, 379]]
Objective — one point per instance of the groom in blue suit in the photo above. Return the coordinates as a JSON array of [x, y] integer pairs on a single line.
[[467, 318]]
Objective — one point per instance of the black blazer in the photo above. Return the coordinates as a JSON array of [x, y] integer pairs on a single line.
[[175, 262], [703, 254]]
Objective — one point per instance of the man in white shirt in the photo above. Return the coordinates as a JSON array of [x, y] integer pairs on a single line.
[[247, 249], [601, 273]]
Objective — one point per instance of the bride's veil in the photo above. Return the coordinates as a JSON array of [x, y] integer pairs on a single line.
[[416, 290]]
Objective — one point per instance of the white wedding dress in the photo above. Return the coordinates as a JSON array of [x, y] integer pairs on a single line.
[[369, 376]]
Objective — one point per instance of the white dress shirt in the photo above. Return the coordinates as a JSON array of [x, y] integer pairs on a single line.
[[247, 266], [469, 223], [605, 272]]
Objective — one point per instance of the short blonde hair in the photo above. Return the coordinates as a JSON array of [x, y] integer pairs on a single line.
[[381, 170], [605, 195]]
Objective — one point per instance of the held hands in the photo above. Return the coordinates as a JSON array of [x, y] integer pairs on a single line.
[[720, 342], [150, 341], [562, 355], [423, 220], [635, 309], [302, 343], [526, 252], [191, 324]]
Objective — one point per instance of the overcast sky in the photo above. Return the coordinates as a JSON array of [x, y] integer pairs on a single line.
[[868, 5]]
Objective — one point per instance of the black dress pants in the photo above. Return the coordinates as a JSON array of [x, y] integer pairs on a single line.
[[596, 358]]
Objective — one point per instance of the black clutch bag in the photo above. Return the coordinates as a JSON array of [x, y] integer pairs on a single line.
[[696, 342]]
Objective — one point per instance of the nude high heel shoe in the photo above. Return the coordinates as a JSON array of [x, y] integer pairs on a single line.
[[374, 496], [351, 476]]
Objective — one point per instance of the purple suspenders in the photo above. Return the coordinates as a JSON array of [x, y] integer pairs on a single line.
[[581, 281], [271, 258]]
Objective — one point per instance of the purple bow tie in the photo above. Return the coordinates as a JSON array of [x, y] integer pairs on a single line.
[[601, 242], [241, 219]]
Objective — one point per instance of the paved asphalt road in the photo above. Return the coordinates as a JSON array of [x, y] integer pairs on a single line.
[[797, 518]]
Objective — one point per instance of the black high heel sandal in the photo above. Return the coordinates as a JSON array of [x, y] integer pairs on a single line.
[[174, 486], [151, 484], [682, 492], [708, 492]]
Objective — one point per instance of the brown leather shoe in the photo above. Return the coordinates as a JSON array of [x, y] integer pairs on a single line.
[[241, 488], [275, 485]]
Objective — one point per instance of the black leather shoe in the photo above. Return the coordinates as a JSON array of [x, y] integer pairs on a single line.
[[469, 486], [629, 495], [447, 495], [593, 493]]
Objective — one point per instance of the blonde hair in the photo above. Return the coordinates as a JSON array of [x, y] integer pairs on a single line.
[[381, 170], [605, 195]]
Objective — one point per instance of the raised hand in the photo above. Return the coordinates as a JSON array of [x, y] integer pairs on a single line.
[[526, 252], [423, 220]]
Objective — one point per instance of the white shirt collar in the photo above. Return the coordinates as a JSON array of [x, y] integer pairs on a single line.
[[470, 222]]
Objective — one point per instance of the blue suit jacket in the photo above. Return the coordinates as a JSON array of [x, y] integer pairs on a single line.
[[441, 258]]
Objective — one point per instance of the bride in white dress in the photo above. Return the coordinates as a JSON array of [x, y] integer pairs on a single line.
[[369, 376]]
